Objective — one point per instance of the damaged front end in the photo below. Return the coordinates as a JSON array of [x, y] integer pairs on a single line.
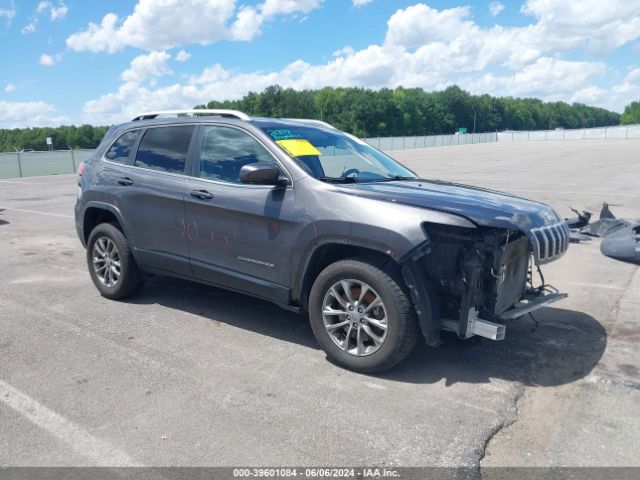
[[473, 281]]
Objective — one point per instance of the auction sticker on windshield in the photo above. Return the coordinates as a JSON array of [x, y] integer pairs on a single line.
[[298, 147]]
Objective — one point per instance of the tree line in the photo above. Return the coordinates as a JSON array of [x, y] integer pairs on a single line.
[[63, 138], [413, 111], [370, 113]]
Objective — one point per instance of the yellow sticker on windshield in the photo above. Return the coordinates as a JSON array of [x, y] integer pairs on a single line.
[[298, 148]]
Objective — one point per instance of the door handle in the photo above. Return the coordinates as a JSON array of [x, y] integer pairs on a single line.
[[126, 181], [201, 194]]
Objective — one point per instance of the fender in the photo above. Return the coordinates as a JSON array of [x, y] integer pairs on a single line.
[[396, 245], [116, 212], [304, 257]]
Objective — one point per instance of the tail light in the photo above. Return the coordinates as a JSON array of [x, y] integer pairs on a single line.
[[81, 168]]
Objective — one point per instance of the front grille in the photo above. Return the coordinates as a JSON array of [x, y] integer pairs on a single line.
[[550, 242]]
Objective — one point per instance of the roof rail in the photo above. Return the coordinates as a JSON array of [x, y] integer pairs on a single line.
[[312, 122], [216, 112]]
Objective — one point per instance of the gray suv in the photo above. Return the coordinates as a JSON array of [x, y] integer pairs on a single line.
[[317, 221]]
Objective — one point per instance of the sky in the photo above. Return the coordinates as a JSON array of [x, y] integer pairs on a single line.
[[104, 62]]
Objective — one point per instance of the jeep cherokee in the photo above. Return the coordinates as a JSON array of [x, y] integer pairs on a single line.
[[317, 221]]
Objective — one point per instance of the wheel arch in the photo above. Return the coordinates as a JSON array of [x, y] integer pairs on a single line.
[[96, 213], [328, 252]]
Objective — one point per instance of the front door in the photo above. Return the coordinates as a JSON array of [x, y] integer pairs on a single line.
[[240, 236]]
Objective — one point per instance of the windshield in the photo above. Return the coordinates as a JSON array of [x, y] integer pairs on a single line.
[[336, 156]]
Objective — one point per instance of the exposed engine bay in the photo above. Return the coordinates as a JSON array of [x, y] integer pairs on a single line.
[[483, 278]]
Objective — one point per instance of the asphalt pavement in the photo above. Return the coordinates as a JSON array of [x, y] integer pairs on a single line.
[[185, 374]]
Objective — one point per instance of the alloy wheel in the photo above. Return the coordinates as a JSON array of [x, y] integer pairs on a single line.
[[106, 261], [355, 317]]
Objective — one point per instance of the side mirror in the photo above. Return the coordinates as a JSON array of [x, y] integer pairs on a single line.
[[261, 174]]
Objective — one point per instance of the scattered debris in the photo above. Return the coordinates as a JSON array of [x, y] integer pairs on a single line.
[[582, 219], [621, 236], [623, 244], [576, 237], [605, 225]]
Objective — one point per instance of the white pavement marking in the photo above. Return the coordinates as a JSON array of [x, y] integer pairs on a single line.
[[35, 212], [25, 183], [81, 441]]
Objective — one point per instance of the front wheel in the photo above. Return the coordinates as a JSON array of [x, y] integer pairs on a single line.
[[362, 317]]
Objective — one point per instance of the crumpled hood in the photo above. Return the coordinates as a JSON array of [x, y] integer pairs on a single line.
[[483, 207]]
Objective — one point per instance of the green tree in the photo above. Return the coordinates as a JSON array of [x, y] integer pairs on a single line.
[[631, 115]]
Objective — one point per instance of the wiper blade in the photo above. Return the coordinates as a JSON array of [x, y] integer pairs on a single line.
[[392, 179], [338, 179]]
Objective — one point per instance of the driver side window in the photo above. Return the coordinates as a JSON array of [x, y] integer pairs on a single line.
[[226, 150]]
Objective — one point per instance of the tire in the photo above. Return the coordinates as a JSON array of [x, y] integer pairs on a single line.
[[342, 344], [129, 280]]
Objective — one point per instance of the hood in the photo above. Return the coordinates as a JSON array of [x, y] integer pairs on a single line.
[[483, 207]]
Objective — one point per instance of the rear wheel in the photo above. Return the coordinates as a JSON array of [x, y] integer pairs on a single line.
[[361, 316], [111, 264]]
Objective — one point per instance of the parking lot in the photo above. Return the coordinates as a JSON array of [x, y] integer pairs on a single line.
[[185, 374]]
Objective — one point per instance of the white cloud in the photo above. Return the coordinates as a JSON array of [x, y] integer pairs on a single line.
[[360, 3], [8, 11], [271, 8], [98, 38], [347, 50], [29, 28], [420, 25], [148, 66], [9, 87], [163, 25], [59, 12], [28, 114], [56, 12], [600, 26], [617, 97], [424, 47], [633, 76], [183, 56], [495, 8], [50, 60], [547, 78], [247, 24]]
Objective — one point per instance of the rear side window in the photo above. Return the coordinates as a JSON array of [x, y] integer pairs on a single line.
[[165, 148], [226, 150], [119, 151]]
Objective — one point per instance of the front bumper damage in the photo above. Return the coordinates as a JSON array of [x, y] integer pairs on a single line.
[[474, 325], [488, 284]]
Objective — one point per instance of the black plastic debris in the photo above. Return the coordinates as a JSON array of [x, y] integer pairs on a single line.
[[606, 224], [582, 219], [576, 237], [621, 237], [623, 244]]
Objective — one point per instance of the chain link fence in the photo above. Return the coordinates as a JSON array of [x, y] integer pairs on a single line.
[[30, 164], [602, 133], [403, 143]]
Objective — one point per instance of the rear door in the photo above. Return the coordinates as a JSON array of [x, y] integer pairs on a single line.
[[240, 236], [157, 184]]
